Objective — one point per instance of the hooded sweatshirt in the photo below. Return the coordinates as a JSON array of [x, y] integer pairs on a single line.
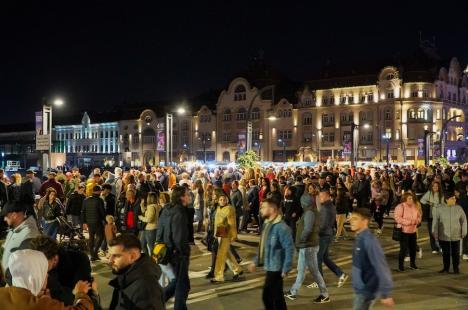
[[26, 230]]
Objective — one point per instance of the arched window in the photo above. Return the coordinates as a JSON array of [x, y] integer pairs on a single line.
[[255, 113], [388, 114], [227, 116], [226, 156], [421, 114], [307, 119], [240, 93], [240, 115]]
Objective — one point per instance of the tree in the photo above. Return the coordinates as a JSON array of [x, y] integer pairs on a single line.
[[248, 159]]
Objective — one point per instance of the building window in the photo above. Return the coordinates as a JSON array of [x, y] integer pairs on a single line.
[[227, 137], [388, 114], [370, 97], [240, 115], [350, 99], [343, 99], [307, 119], [421, 114], [227, 116], [256, 135], [425, 93], [390, 76], [328, 137], [414, 93], [255, 113], [390, 94], [328, 119], [388, 133], [365, 116], [362, 99], [205, 118], [285, 134], [438, 113], [240, 93], [308, 101]]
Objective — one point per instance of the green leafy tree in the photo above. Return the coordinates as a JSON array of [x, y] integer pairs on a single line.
[[248, 159]]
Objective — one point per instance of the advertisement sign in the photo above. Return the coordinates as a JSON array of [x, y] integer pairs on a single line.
[[420, 148], [42, 141], [161, 141], [241, 142]]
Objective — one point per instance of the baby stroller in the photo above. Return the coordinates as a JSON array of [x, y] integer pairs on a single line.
[[70, 236]]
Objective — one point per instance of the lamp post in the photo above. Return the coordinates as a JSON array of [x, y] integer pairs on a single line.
[[284, 149], [170, 134], [47, 127], [427, 133], [387, 141], [354, 146], [203, 140]]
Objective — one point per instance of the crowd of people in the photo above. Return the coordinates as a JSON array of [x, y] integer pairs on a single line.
[[143, 222]]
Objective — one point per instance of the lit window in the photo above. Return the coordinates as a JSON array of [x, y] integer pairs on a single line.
[[390, 95]]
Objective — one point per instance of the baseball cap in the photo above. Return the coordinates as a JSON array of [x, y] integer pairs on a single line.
[[29, 171], [13, 206]]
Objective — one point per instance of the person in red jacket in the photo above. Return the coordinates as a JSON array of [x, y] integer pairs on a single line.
[[52, 182]]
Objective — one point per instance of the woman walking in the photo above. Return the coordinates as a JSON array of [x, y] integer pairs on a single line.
[[449, 227], [51, 209], [150, 215], [225, 230], [408, 218], [433, 199]]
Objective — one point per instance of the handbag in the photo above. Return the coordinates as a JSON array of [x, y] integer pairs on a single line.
[[221, 231], [397, 231]]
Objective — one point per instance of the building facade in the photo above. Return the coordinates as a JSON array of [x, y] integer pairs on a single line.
[[391, 109]]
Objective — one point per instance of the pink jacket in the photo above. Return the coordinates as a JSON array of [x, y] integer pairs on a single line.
[[407, 217]]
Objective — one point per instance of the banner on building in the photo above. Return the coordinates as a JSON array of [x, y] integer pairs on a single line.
[[241, 142], [420, 148], [42, 140], [161, 139]]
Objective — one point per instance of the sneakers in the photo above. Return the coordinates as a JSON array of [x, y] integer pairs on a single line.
[[290, 295], [342, 279], [465, 257], [435, 252], [321, 300], [313, 285], [420, 253], [407, 259]]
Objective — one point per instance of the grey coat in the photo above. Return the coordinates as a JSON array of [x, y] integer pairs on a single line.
[[449, 223]]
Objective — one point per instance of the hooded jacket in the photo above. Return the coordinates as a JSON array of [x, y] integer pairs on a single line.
[[26, 230], [327, 218], [138, 287]]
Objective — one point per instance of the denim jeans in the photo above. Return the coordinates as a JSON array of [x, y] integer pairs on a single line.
[[180, 287], [167, 274], [362, 302], [322, 256], [434, 244], [51, 229], [147, 240], [307, 258]]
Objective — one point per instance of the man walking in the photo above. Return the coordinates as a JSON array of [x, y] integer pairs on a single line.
[[275, 254], [136, 285], [327, 223], [173, 232], [371, 276], [307, 242], [93, 216]]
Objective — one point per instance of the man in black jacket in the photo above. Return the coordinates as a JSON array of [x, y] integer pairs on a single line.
[[136, 285], [109, 199], [27, 193], [173, 231], [75, 204], [93, 216], [362, 191]]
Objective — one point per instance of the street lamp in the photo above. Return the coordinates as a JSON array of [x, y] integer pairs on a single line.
[[354, 146], [47, 127], [170, 135], [427, 133], [284, 149], [204, 139]]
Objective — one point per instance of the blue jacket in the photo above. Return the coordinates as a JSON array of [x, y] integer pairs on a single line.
[[371, 275], [278, 248]]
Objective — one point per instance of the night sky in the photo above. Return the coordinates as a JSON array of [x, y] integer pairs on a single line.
[[100, 53]]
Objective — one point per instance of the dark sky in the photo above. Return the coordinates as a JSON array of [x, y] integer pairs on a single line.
[[100, 53]]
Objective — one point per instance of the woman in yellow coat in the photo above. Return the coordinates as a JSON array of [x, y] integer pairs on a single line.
[[225, 230]]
